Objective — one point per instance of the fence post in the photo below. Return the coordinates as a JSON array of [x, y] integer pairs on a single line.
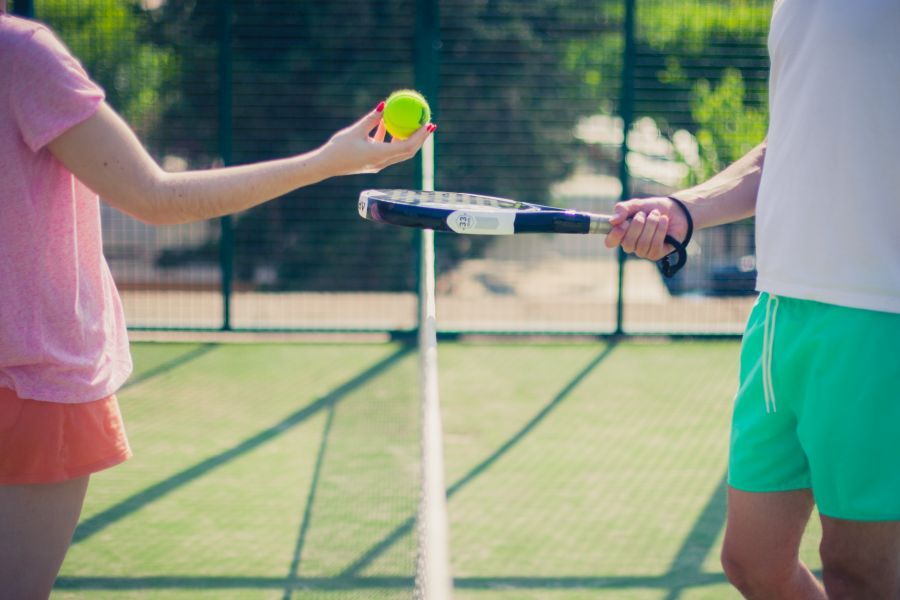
[[226, 235], [627, 112], [23, 8]]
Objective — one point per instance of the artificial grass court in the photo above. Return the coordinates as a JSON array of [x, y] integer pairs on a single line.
[[574, 470]]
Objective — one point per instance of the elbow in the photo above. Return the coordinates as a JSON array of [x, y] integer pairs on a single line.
[[150, 216], [156, 203], [157, 220], [142, 208], [145, 213]]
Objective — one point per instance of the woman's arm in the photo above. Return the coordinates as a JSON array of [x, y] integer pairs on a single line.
[[642, 224], [105, 154]]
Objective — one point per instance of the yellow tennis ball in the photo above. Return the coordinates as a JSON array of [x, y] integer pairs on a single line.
[[404, 112]]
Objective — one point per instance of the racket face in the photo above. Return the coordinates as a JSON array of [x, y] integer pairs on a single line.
[[440, 211], [445, 211], [450, 200], [474, 214]]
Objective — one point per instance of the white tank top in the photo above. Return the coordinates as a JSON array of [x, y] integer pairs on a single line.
[[828, 212]]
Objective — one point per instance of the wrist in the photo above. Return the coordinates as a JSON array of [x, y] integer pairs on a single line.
[[318, 165], [686, 211], [695, 202]]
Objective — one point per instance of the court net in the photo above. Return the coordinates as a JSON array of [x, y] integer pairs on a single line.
[[433, 578]]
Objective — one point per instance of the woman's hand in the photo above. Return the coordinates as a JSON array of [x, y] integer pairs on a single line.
[[641, 226], [357, 149]]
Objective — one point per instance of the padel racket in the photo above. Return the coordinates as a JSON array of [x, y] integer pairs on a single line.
[[473, 214]]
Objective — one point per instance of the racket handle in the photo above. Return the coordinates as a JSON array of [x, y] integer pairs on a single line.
[[600, 224], [561, 221]]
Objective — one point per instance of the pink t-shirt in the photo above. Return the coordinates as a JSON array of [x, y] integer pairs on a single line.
[[62, 330]]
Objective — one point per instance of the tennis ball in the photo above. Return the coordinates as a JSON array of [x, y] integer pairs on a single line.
[[404, 112]]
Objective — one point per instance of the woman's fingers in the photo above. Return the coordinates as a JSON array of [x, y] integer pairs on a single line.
[[369, 122], [380, 132], [405, 149]]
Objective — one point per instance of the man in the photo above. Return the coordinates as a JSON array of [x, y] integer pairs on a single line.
[[817, 414]]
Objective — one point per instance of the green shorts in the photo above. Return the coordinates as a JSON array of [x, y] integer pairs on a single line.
[[819, 407]]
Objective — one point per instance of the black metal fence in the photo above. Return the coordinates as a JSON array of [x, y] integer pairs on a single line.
[[553, 101]]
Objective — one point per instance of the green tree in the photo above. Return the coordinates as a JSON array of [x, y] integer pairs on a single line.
[[302, 70], [701, 66], [727, 128], [515, 77], [109, 38]]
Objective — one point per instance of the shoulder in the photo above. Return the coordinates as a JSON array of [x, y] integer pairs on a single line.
[[34, 60], [29, 44], [17, 33]]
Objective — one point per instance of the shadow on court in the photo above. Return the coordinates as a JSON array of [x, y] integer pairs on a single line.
[[685, 571], [169, 365], [406, 528], [132, 504]]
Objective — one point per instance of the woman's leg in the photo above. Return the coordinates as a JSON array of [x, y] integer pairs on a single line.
[[36, 526]]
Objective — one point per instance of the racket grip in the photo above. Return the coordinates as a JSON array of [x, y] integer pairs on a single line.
[[600, 224]]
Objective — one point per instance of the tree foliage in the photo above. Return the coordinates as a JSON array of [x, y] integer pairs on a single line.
[[701, 65], [514, 79], [109, 38], [727, 128]]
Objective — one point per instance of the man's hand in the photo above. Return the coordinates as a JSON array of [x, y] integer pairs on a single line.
[[641, 226]]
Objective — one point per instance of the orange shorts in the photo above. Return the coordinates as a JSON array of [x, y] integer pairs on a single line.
[[48, 442]]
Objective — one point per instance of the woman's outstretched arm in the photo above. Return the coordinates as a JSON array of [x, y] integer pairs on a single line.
[[106, 155]]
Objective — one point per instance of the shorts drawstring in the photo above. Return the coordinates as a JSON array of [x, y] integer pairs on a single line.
[[768, 344]]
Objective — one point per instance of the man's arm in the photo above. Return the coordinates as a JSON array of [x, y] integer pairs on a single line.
[[106, 155], [642, 224]]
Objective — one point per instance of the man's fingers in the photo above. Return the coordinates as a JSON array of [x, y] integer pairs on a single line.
[[615, 235], [642, 246], [621, 212], [658, 244], [635, 229]]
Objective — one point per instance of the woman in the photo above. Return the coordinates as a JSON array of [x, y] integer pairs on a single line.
[[63, 345]]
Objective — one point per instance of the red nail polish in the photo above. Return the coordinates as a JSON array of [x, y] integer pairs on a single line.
[[432, 127], [380, 106]]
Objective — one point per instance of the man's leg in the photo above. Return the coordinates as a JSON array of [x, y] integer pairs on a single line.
[[861, 559], [760, 554], [36, 527]]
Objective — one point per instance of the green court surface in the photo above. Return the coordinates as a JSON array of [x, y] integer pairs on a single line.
[[574, 470]]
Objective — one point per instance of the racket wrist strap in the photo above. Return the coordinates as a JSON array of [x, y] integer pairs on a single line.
[[674, 261], [687, 215]]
